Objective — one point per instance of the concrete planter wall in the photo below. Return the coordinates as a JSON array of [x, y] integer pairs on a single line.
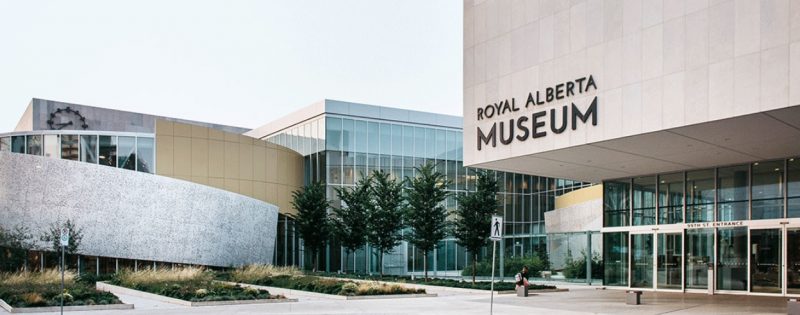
[[102, 286], [75, 308]]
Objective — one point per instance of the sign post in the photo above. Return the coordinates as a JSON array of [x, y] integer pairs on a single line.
[[495, 234], [64, 241]]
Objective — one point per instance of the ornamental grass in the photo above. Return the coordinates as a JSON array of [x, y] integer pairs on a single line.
[[251, 273]]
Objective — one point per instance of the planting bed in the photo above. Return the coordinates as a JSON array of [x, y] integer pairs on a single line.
[[41, 292]]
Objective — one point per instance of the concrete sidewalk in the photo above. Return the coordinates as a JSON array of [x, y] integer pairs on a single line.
[[579, 300]]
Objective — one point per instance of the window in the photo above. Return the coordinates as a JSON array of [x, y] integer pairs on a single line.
[[793, 187], [145, 155], [386, 139], [5, 144], [18, 144], [670, 198], [89, 149], [52, 146], [616, 203], [108, 151], [700, 196], [733, 193], [333, 133], [373, 133], [644, 200], [70, 147], [361, 140], [767, 190], [126, 149], [34, 143], [348, 134]]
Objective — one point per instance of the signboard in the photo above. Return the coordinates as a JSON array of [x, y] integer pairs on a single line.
[[496, 232], [716, 224], [64, 237]]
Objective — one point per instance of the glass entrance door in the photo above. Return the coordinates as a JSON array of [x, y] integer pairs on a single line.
[[793, 261], [766, 260], [699, 255], [669, 261], [642, 260]]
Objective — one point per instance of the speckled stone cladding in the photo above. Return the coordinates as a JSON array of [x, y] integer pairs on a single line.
[[127, 214]]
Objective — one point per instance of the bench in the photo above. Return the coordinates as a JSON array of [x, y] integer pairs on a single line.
[[633, 297]]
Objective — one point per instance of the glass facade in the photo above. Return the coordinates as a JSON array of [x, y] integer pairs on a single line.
[[138, 152], [340, 149], [726, 229]]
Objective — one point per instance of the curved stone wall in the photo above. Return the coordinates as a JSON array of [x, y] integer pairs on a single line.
[[134, 215]]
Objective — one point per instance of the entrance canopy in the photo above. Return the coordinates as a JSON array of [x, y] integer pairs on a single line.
[[759, 136]]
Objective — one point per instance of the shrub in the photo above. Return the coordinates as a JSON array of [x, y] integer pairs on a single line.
[[201, 293], [349, 289], [511, 265], [34, 299], [189, 284], [576, 268]]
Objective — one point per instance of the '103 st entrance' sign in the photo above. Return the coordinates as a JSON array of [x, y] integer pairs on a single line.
[[532, 126]]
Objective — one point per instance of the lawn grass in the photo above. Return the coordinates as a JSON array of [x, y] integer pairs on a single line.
[[188, 284], [42, 289]]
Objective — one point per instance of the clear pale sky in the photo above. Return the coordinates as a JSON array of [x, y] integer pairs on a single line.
[[242, 63]]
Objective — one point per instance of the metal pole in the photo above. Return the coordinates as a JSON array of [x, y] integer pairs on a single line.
[[491, 299], [62, 279], [589, 257]]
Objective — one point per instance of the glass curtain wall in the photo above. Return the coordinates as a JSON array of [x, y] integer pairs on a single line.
[[644, 200], [700, 196], [340, 149], [138, 151]]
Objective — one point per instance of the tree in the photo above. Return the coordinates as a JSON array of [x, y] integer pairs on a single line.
[[53, 236], [15, 242], [349, 221], [385, 218], [312, 218], [426, 215], [474, 217]]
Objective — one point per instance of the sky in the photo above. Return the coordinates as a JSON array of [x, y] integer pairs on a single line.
[[241, 63]]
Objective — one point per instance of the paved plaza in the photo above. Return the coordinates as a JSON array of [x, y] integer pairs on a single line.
[[579, 300]]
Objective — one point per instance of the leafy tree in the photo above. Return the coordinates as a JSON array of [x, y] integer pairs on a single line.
[[349, 222], [53, 236], [426, 215], [312, 218], [16, 243], [474, 217], [385, 217]]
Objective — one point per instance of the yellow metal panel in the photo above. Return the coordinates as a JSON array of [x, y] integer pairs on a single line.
[[164, 127], [579, 196], [199, 157], [183, 156], [246, 161], [216, 158], [164, 155]]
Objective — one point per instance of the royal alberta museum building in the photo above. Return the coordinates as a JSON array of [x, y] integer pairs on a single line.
[[659, 140], [154, 191], [686, 112]]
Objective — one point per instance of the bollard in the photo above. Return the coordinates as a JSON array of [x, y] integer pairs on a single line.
[[633, 297]]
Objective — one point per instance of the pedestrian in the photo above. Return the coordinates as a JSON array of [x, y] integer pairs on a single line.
[[522, 277]]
